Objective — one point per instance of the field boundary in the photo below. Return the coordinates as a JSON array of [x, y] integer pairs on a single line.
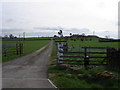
[[14, 48], [64, 56]]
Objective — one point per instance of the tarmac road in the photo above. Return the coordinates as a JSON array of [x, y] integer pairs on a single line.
[[29, 71]]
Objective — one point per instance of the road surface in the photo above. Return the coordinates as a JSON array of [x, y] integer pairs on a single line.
[[29, 71]]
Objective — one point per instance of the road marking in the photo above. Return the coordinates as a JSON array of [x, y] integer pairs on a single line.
[[52, 83]]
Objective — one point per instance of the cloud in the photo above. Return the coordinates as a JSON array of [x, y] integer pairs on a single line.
[[36, 34], [9, 20], [66, 31], [46, 28], [66, 13], [109, 33], [7, 31], [51, 31], [43, 31], [29, 32], [11, 30], [78, 30], [74, 30]]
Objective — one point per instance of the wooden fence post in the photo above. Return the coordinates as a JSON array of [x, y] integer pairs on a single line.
[[108, 54], [112, 56], [86, 59], [20, 48], [4, 51], [17, 48]]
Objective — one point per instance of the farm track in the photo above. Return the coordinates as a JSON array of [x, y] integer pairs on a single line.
[[29, 71]]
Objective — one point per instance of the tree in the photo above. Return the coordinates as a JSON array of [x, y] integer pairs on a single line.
[[106, 37], [6, 36], [15, 37], [11, 36], [83, 37], [83, 34], [55, 35], [70, 34], [60, 33]]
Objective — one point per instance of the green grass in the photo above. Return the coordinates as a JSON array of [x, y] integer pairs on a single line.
[[26, 39], [54, 52], [93, 44], [69, 82], [29, 47], [68, 79]]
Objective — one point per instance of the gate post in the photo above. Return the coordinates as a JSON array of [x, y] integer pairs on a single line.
[[86, 59], [108, 55], [59, 53]]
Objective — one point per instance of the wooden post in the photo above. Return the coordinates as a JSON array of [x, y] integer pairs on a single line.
[[86, 59], [107, 55], [17, 48], [20, 48], [111, 56], [4, 51]]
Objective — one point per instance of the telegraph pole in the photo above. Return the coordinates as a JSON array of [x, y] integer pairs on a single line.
[[24, 35], [19, 37], [93, 32]]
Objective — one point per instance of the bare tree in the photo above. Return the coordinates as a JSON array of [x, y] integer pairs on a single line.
[[60, 33]]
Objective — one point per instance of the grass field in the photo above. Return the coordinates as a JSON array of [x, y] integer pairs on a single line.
[[29, 46], [93, 44], [64, 78]]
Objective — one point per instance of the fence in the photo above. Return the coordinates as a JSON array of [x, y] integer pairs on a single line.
[[85, 56], [12, 49]]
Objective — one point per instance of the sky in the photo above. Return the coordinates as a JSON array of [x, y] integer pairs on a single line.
[[47, 17]]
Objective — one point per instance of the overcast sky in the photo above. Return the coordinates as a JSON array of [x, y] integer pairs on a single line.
[[46, 17]]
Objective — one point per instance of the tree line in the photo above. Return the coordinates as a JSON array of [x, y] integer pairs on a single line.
[[11, 36]]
